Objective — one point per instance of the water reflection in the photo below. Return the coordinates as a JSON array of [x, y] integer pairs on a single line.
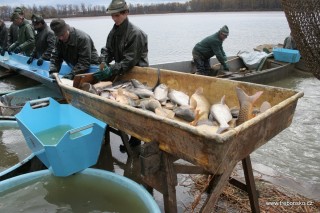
[[13, 148]]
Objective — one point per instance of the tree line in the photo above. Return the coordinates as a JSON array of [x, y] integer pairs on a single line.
[[83, 10]]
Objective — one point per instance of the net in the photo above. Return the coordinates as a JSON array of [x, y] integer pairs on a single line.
[[304, 21]]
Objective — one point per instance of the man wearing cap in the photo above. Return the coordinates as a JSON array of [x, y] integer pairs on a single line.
[[126, 45], [3, 35], [207, 48], [14, 29], [73, 46], [45, 40], [13, 32], [26, 40]]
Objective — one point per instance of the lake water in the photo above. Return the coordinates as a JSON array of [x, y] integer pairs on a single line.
[[295, 152]]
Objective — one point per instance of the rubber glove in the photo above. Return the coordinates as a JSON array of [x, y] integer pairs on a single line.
[[40, 62], [30, 60], [17, 50], [51, 71], [103, 73], [225, 67]]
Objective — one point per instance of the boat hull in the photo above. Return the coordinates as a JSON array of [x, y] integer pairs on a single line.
[[271, 71], [18, 63]]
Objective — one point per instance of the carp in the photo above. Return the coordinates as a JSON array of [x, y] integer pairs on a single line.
[[200, 104]]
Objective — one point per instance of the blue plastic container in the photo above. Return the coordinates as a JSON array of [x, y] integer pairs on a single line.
[[124, 185], [64, 138], [286, 55]]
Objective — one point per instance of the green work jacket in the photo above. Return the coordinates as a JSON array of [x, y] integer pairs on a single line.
[[127, 46], [209, 47], [26, 38], [78, 52]]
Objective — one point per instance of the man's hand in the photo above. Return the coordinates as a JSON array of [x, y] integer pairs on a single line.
[[69, 76], [17, 50], [103, 74], [52, 70], [40, 62], [30, 60], [11, 48], [225, 67]]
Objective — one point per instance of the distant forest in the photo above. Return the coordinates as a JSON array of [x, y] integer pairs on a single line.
[[82, 10]]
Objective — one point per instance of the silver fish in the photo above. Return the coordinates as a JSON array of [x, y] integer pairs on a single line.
[[142, 92], [185, 112], [161, 93], [138, 84], [265, 106], [221, 113], [150, 104], [89, 88], [178, 97]]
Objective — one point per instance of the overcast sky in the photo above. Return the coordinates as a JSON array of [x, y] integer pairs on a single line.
[[63, 2]]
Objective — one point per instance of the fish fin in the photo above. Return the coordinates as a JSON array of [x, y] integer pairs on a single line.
[[255, 97], [223, 100], [196, 118], [199, 90]]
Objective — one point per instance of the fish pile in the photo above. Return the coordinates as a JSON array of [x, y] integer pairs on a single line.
[[170, 103]]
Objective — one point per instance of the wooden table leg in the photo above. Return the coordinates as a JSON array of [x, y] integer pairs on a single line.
[[170, 179], [218, 183], [251, 186]]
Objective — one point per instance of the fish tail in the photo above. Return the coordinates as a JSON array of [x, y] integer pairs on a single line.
[[199, 90], [243, 97]]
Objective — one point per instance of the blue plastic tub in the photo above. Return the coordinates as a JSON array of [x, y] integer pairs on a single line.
[[64, 138], [286, 55], [91, 190]]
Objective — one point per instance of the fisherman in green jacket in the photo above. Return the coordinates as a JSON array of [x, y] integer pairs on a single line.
[[126, 45], [73, 46], [45, 40], [207, 48], [26, 38]]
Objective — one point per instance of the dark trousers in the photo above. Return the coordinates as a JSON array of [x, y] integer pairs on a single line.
[[203, 66]]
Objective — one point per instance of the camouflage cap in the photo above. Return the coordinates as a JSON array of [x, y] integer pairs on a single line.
[[224, 30], [117, 6], [59, 26]]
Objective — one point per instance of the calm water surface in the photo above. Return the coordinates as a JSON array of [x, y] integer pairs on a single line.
[[295, 151]]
